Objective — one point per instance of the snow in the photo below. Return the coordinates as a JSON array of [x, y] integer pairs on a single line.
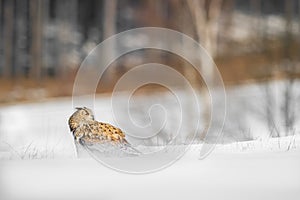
[[222, 175], [274, 25], [43, 126], [238, 168], [246, 116]]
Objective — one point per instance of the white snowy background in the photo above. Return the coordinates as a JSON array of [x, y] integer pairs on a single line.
[[38, 161]]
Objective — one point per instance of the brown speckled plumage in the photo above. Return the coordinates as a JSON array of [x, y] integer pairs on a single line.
[[101, 136]]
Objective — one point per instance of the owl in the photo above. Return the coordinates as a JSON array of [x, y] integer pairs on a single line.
[[98, 137]]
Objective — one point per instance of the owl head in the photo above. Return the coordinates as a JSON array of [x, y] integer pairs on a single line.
[[80, 116]]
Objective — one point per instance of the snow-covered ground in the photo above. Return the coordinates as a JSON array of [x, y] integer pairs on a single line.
[[238, 168], [39, 129], [222, 175]]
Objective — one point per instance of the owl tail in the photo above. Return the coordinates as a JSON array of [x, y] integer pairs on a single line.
[[128, 149], [110, 149]]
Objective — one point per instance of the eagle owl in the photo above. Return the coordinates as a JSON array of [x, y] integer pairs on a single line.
[[97, 137]]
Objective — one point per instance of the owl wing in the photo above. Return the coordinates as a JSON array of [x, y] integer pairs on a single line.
[[107, 140]]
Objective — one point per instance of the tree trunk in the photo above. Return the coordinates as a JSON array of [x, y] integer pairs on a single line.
[[110, 7], [66, 21], [206, 25], [110, 16], [205, 16], [1, 38], [21, 38], [8, 35], [36, 39]]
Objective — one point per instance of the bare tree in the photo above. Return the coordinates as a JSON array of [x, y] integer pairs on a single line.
[[8, 35], [1, 36], [110, 11], [109, 27], [66, 11], [280, 112], [289, 71], [258, 24], [110, 7], [299, 17], [205, 15], [21, 38], [36, 39]]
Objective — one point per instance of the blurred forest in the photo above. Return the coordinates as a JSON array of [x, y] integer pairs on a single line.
[[43, 42]]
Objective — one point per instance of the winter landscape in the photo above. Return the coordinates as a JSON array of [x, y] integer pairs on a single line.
[[39, 148], [206, 91]]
